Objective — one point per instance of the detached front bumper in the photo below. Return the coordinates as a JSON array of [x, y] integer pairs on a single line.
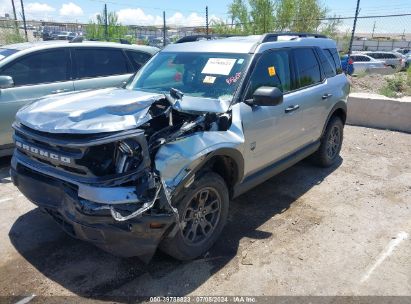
[[85, 220]]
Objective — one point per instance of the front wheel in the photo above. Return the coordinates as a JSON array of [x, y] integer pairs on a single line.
[[203, 211], [329, 150]]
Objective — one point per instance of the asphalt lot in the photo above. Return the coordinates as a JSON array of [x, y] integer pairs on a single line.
[[308, 231]]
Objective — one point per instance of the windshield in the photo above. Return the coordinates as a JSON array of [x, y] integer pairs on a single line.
[[209, 75], [6, 52]]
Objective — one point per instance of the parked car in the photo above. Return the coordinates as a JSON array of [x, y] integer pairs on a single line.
[[347, 64], [64, 35], [392, 59], [407, 54], [29, 71], [367, 64], [157, 161], [403, 51]]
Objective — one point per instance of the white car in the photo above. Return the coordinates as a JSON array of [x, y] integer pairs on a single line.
[[394, 60], [367, 64]]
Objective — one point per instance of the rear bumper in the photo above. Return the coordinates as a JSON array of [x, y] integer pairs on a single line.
[[86, 220]]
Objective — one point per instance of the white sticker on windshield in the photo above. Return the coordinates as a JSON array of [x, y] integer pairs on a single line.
[[240, 61], [218, 66]]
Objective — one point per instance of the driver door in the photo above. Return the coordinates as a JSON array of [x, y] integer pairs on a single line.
[[271, 132]]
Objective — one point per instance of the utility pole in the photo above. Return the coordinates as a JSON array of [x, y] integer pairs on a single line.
[[24, 20], [164, 28], [207, 20], [105, 23], [15, 16], [373, 30], [353, 27]]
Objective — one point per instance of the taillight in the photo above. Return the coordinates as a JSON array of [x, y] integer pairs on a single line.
[[350, 61]]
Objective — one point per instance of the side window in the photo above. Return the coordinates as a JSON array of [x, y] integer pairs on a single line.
[[334, 59], [363, 59], [138, 59], [273, 70], [327, 64], [40, 67], [337, 60], [97, 62], [307, 68]]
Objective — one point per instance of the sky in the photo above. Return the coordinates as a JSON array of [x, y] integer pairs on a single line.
[[192, 12]]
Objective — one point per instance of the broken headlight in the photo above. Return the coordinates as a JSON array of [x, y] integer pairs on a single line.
[[128, 155]]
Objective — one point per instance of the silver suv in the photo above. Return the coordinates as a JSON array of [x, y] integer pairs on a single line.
[[155, 164]]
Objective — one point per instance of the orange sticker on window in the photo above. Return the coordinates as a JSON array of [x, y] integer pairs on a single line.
[[271, 71]]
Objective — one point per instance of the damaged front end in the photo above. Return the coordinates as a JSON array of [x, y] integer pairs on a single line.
[[105, 187]]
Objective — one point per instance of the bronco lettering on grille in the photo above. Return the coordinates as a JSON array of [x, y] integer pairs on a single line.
[[43, 153]]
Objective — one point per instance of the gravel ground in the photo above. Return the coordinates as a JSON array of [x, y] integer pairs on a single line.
[[371, 83], [308, 231]]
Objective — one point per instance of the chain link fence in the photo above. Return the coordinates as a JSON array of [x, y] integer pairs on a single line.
[[384, 32]]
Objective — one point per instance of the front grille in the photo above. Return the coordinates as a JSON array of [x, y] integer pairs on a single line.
[[82, 155]]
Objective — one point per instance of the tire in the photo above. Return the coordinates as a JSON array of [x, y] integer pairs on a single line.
[[194, 239], [331, 143]]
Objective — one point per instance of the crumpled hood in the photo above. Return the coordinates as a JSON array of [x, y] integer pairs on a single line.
[[96, 111], [105, 110]]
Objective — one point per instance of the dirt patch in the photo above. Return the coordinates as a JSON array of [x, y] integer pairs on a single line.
[[372, 83], [307, 231], [395, 85]]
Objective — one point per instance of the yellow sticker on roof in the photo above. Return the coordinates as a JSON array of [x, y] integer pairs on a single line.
[[271, 71]]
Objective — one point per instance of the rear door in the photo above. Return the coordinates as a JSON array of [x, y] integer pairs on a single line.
[[315, 92], [35, 75], [100, 67]]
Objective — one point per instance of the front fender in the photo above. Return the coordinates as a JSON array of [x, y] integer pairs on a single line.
[[178, 160]]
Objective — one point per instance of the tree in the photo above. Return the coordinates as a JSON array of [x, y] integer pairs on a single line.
[[299, 15], [96, 29], [285, 14], [262, 13], [239, 14]]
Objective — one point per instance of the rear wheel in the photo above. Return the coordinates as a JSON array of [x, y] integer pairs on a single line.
[[331, 143], [203, 211]]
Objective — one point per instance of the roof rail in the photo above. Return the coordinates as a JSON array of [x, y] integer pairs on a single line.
[[192, 38], [274, 36]]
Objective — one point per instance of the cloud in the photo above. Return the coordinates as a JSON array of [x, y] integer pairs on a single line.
[[36, 8], [191, 20], [136, 16], [71, 9]]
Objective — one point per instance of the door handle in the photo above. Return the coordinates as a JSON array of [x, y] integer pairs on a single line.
[[326, 96], [59, 91], [292, 108]]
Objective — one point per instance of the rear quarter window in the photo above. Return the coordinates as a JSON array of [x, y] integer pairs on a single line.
[[327, 64], [138, 59], [336, 59]]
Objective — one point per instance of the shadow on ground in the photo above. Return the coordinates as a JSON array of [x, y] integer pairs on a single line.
[[87, 271]]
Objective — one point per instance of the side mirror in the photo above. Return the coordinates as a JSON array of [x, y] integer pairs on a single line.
[[267, 96], [6, 82]]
